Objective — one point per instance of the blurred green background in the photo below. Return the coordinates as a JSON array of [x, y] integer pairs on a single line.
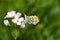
[[47, 29]]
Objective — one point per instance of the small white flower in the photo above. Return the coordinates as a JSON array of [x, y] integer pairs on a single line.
[[20, 20], [6, 22], [14, 20], [10, 14], [23, 25], [17, 15]]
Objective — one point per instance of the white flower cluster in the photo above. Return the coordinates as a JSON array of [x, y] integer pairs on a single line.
[[19, 20]]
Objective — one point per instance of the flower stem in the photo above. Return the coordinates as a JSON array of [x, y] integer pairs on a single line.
[[15, 38]]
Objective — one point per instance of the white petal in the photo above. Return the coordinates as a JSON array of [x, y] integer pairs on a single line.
[[6, 22], [25, 16], [14, 20], [22, 25], [18, 23], [21, 19], [10, 14], [17, 15]]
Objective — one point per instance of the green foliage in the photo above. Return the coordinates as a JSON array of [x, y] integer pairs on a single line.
[[47, 29]]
